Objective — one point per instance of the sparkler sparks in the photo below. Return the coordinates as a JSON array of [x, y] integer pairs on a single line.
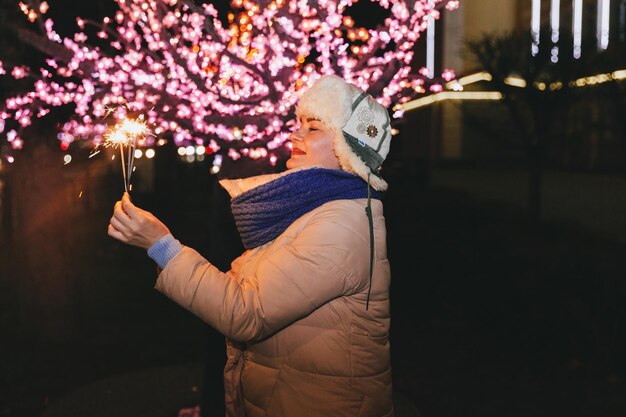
[[126, 134]]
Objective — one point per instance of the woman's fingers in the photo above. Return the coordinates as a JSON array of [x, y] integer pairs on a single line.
[[119, 226], [129, 208], [132, 218], [121, 215], [116, 234], [135, 226]]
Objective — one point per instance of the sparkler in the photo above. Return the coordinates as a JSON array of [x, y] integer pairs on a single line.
[[125, 134]]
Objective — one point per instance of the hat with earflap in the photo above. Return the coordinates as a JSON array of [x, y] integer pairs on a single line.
[[361, 124], [362, 134]]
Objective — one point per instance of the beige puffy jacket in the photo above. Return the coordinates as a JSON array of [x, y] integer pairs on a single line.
[[300, 341]]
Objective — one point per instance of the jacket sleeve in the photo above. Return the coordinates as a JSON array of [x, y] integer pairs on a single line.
[[325, 260]]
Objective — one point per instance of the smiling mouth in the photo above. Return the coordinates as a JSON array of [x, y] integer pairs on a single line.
[[296, 151]]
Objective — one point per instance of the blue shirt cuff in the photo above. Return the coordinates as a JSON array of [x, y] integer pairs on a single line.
[[164, 250]]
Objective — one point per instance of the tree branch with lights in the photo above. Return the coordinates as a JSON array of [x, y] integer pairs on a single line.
[[229, 86]]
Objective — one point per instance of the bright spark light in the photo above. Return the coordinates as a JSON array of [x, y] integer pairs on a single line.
[[116, 138], [126, 134], [133, 128]]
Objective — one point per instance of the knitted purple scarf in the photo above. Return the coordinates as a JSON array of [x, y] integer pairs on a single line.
[[264, 212]]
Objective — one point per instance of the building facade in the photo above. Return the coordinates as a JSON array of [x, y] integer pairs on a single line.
[[568, 29]]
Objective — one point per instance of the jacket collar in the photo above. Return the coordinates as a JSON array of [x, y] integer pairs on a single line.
[[238, 186]]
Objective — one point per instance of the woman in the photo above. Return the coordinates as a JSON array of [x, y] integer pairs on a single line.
[[306, 308]]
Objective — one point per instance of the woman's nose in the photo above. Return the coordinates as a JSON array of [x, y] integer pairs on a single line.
[[297, 135]]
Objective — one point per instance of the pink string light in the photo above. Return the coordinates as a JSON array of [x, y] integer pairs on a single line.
[[230, 87]]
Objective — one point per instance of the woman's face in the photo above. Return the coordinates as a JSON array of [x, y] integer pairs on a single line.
[[313, 145]]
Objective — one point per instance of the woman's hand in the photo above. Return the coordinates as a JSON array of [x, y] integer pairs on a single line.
[[135, 226]]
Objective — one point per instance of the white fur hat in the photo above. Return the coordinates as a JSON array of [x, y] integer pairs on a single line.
[[361, 124]]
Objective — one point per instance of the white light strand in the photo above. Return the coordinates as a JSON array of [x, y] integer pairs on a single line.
[[535, 26], [430, 45], [577, 27], [604, 8], [555, 18]]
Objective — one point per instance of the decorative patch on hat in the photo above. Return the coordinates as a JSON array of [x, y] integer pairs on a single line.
[[372, 131], [361, 128], [365, 115]]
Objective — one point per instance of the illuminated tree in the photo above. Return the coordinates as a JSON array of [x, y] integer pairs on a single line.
[[229, 84]]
